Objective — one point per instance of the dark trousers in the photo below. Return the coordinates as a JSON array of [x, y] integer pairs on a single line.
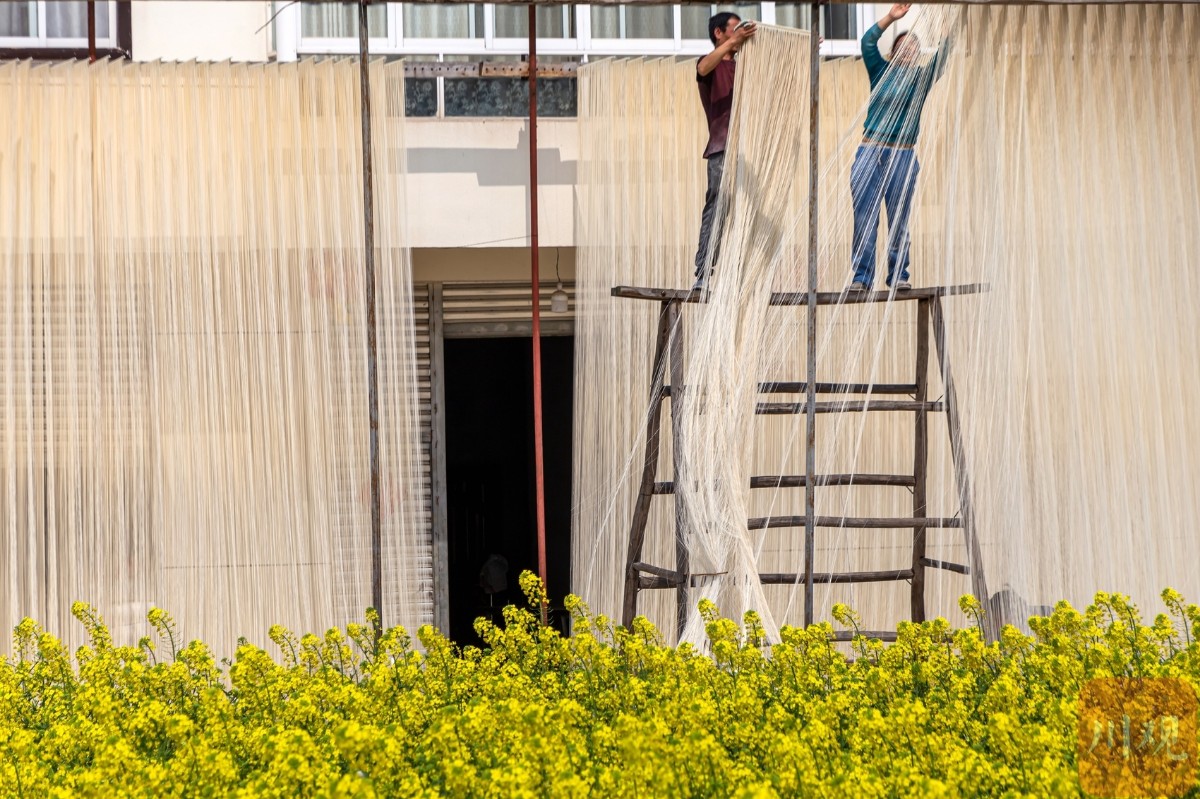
[[716, 165]]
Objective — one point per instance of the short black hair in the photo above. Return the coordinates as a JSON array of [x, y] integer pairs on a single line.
[[717, 22]]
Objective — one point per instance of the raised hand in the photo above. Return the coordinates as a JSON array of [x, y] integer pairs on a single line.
[[744, 31], [899, 10]]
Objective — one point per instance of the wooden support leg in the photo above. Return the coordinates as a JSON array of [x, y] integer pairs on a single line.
[[674, 311], [978, 583], [920, 462], [641, 509]]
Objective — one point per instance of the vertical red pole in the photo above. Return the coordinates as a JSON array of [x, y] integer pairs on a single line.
[[537, 302], [91, 23]]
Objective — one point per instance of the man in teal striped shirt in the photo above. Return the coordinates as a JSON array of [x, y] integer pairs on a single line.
[[885, 166]]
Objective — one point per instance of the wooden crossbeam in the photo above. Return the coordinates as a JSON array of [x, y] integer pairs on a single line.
[[843, 636], [793, 387], [670, 575], [799, 481], [669, 578], [847, 406], [957, 568], [851, 522], [841, 578]]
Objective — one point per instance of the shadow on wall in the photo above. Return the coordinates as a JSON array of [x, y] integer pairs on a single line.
[[495, 166]]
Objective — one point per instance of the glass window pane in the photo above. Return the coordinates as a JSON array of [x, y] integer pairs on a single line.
[[606, 22], [792, 15], [420, 97], [68, 20], [512, 22], [640, 22], [16, 19], [451, 21], [695, 18], [837, 21], [649, 22], [322, 20]]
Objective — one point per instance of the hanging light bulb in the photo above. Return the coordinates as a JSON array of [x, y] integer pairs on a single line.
[[558, 300]]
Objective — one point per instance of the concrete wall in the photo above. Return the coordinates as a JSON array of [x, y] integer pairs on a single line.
[[200, 30]]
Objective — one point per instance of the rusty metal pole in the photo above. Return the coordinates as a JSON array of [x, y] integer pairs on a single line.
[[372, 326], [91, 23], [538, 460], [810, 464]]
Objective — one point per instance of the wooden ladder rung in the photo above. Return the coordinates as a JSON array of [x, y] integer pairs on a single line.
[[801, 297], [793, 387], [800, 481], [667, 578], [848, 635], [838, 577], [957, 568], [674, 577], [885, 522], [847, 406], [645, 583]]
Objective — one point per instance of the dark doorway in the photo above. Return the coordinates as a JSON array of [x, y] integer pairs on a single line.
[[491, 496]]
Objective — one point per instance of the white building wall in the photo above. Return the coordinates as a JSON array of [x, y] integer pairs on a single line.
[[468, 182], [200, 30]]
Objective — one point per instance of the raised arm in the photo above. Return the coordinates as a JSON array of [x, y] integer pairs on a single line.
[[872, 59], [726, 45]]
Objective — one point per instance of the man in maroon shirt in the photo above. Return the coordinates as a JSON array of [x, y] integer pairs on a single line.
[[714, 77]]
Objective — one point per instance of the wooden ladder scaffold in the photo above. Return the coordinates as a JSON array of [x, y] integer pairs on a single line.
[[667, 380]]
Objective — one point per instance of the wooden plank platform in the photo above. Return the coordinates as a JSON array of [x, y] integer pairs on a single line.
[[800, 481], [801, 297]]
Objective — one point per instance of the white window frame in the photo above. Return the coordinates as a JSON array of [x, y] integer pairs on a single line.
[[42, 40], [291, 43]]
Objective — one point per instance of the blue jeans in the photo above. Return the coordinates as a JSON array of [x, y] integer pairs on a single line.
[[882, 175]]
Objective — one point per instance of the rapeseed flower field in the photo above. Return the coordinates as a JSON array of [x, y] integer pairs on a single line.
[[605, 712]]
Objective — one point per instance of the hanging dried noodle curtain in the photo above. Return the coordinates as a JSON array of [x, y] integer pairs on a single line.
[[183, 417], [1059, 165]]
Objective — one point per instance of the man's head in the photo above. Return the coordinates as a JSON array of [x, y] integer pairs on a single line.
[[906, 49], [720, 26]]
